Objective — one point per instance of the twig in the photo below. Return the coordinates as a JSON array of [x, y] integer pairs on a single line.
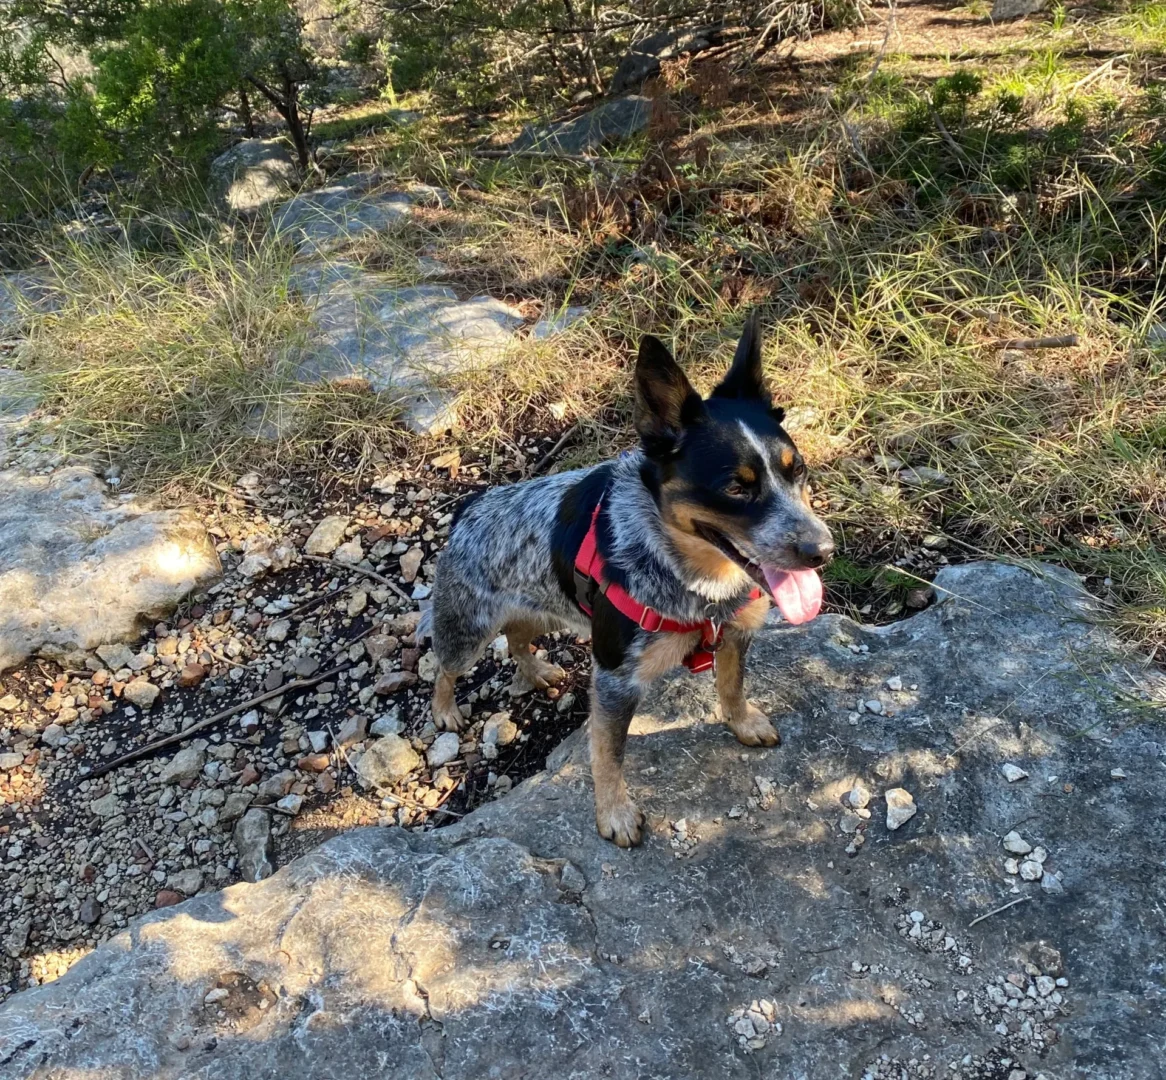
[[955, 147], [883, 47], [315, 602], [202, 725], [549, 456], [1097, 72], [361, 570], [1059, 341], [439, 808], [271, 808], [996, 911]]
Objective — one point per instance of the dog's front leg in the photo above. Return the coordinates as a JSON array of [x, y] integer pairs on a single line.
[[744, 719], [613, 703]]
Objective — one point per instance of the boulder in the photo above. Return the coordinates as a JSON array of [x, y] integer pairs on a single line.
[[21, 294], [253, 174], [1003, 10], [737, 941], [614, 120], [78, 570]]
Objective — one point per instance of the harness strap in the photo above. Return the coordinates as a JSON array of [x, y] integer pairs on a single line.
[[589, 578]]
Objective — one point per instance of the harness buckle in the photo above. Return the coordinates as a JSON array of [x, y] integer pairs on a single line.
[[646, 616]]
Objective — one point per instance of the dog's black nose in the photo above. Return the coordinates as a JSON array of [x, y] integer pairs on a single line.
[[815, 554]]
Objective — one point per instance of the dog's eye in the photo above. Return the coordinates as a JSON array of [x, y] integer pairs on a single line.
[[736, 490], [799, 469]]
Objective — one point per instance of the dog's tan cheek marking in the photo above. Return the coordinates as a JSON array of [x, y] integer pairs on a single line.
[[664, 652], [752, 616], [703, 559]]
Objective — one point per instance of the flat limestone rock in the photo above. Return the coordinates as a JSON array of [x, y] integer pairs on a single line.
[[253, 174], [404, 341], [324, 220], [518, 943], [78, 569]]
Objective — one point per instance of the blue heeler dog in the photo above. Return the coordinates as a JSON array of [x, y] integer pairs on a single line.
[[664, 556]]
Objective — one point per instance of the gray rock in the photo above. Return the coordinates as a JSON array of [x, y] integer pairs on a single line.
[[10, 761], [443, 750], [470, 951], [115, 655], [388, 761], [1013, 773], [253, 174], [78, 570], [1016, 843], [106, 806], [901, 808], [253, 843], [235, 806], [551, 325], [500, 730], [187, 882], [642, 60], [184, 766], [327, 536], [23, 295], [1003, 10], [610, 122]]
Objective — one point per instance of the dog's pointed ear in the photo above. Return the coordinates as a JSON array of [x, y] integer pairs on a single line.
[[666, 403], [745, 378]]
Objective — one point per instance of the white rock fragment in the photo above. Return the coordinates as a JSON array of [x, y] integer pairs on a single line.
[[443, 750], [326, 536], [874, 706], [901, 807], [1011, 866], [1117, 774], [1012, 773], [1031, 870], [895, 683], [858, 797], [1016, 844]]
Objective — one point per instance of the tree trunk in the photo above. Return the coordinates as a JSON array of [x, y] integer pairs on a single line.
[[245, 113]]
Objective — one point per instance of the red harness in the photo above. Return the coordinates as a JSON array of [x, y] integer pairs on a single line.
[[589, 578]]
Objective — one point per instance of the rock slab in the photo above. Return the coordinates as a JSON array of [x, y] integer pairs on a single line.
[[614, 120], [518, 936], [78, 570], [253, 174]]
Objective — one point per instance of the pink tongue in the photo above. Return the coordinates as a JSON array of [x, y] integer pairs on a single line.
[[798, 593]]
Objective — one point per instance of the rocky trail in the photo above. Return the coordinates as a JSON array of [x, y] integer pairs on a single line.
[[774, 923]]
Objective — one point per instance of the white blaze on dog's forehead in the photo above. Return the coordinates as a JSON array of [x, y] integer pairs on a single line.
[[757, 445]]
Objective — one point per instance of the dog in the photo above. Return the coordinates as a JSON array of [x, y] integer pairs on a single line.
[[670, 554]]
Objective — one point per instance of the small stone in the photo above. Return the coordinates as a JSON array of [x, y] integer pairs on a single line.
[[895, 683], [352, 731], [9, 703], [220, 993], [1117, 774], [571, 880], [313, 763], [10, 761], [278, 630], [90, 911], [191, 675], [1012, 773], [874, 706], [1051, 883], [1031, 870], [1039, 854], [1011, 866], [444, 749], [184, 766], [351, 553], [394, 681], [107, 806], [165, 898], [1045, 985], [115, 656], [253, 842], [858, 797], [141, 692], [318, 740], [357, 603], [389, 724], [388, 761], [411, 564], [500, 730], [326, 536], [187, 882], [1016, 844], [900, 807], [291, 803]]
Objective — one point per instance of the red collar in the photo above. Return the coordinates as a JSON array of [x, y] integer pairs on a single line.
[[589, 577]]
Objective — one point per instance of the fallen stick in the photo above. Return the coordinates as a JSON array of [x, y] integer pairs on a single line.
[[996, 911], [202, 725], [1060, 341], [361, 570], [549, 456]]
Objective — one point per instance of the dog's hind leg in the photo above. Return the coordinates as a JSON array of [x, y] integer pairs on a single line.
[[613, 703], [539, 673]]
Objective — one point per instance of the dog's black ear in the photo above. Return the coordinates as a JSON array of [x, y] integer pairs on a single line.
[[665, 401], [745, 378]]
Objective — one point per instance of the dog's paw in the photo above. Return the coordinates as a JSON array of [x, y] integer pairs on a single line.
[[754, 728], [447, 718], [542, 673], [621, 823]]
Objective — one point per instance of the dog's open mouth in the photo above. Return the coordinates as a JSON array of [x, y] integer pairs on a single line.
[[797, 593]]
